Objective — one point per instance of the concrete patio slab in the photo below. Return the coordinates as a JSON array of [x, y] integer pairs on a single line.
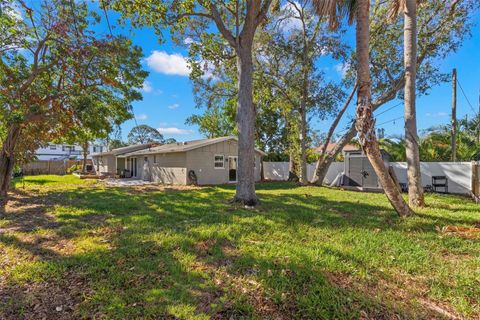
[[127, 182]]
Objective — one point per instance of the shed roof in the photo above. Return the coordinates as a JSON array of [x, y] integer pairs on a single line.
[[346, 148], [183, 146]]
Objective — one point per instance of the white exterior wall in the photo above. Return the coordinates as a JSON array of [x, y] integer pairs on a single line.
[[459, 174], [58, 152]]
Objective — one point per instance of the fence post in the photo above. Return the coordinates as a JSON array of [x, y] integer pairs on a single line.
[[475, 181]]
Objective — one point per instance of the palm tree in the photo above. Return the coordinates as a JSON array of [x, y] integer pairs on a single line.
[[364, 122], [414, 176], [435, 145], [395, 148]]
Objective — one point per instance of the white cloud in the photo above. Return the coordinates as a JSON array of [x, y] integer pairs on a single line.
[[173, 130], [147, 86], [173, 106], [436, 114], [188, 41], [292, 22], [14, 12], [141, 116], [342, 69], [171, 64]]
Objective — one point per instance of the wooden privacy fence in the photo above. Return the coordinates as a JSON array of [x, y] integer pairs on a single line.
[[50, 166]]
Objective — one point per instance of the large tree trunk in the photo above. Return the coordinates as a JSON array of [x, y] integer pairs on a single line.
[[303, 146], [324, 163], [325, 159], [245, 192], [303, 116], [85, 155], [292, 168], [415, 190], [365, 123], [7, 162]]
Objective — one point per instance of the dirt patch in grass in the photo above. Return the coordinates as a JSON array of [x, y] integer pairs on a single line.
[[28, 212], [243, 286], [206, 250], [203, 247], [44, 300], [401, 294], [460, 231]]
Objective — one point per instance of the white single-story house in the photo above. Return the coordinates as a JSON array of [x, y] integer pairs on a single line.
[[209, 161]]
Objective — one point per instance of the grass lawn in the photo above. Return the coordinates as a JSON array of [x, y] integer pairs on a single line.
[[73, 248]]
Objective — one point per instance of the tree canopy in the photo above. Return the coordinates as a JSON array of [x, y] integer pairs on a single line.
[[57, 74], [142, 134]]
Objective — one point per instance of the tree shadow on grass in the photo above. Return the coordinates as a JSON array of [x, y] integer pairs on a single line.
[[162, 254]]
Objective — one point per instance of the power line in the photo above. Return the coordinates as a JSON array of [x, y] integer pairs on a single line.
[[104, 8], [466, 98], [398, 104], [390, 121]]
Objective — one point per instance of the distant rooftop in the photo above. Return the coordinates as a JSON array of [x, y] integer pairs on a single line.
[[331, 146]]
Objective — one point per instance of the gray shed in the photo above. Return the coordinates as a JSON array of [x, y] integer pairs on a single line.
[[359, 171]]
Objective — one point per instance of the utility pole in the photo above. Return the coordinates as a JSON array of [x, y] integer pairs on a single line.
[[454, 115], [478, 121], [381, 133]]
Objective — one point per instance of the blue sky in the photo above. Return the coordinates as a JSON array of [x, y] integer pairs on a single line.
[[168, 99]]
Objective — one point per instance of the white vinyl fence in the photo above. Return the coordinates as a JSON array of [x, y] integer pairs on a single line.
[[278, 171], [459, 174]]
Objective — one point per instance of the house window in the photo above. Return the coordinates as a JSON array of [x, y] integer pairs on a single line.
[[219, 162], [68, 148], [53, 147], [154, 158]]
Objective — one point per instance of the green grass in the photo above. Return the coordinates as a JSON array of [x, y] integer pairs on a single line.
[[50, 181], [161, 253]]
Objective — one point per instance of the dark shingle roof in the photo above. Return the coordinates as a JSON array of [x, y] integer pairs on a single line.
[[183, 146], [128, 149]]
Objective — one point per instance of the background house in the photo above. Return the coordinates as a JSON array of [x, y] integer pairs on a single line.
[[66, 152]]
